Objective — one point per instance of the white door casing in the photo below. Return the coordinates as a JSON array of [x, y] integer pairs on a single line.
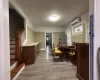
[[4, 41]]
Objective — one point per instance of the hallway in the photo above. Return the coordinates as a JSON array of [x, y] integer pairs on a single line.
[[45, 69]]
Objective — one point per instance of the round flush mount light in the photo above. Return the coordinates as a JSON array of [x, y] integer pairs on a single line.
[[54, 18]]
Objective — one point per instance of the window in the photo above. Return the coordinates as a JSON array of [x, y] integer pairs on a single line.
[[77, 29]]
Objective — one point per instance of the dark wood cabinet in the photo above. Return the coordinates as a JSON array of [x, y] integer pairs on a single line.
[[82, 57], [30, 52]]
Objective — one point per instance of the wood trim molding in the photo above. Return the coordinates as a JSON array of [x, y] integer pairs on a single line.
[[17, 70], [18, 45], [79, 77]]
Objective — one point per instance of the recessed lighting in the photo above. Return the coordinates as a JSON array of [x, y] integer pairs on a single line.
[[54, 18]]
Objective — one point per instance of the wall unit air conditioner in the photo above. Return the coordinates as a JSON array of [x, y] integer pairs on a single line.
[[76, 21]]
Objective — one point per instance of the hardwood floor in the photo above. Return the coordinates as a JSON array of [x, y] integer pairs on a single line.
[[45, 68]]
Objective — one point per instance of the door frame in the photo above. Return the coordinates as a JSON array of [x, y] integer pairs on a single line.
[[45, 38], [4, 41], [91, 62]]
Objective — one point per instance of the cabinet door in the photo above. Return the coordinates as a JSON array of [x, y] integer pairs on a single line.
[[85, 61], [78, 58], [29, 55], [82, 52]]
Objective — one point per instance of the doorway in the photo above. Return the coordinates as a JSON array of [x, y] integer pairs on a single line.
[[48, 40]]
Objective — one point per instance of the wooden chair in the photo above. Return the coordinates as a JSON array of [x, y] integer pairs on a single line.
[[72, 55], [57, 54]]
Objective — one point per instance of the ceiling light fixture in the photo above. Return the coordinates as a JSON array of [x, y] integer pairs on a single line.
[[54, 18]]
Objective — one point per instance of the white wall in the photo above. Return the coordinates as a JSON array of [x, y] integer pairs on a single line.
[[68, 35], [68, 32], [86, 22], [49, 29], [95, 10], [28, 24], [4, 41], [27, 21], [20, 11]]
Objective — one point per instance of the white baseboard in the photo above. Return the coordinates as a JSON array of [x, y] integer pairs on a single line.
[[42, 49], [13, 66], [19, 73]]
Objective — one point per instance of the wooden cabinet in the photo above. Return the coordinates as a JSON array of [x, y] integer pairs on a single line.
[[37, 48], [30, 52], [82, 57]]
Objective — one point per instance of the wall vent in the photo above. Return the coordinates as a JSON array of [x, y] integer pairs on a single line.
[[76, 21]]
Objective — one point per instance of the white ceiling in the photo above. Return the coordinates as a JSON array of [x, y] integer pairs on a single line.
[[38, 11]]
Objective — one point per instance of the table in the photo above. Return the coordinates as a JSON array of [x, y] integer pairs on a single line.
[[66, 52], [66, 49]]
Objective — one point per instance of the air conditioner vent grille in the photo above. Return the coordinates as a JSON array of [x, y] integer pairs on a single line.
[[76, 21]]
